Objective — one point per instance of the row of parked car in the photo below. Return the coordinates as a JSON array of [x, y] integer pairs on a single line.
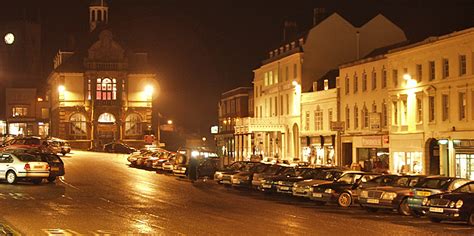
[[437, 197], [32, 159]]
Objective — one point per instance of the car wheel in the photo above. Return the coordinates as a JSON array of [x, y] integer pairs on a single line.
[[403, 208], [11, 177], [435, 220], [470, 220], [51, 179], [344, 200], [371, 209], [37, 181]]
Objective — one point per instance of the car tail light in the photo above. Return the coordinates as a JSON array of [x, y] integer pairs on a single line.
[[48, 167], [411, 193], [27, 166]]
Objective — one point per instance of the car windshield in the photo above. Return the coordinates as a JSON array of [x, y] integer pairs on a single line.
[[349, 178], [258, 168], [406, 181], [328, 175], [27, 157], [290, 171], [33, 141], [434, 183], [273, 169]]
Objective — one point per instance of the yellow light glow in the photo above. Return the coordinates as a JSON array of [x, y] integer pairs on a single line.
[[170, 122], [294, 83], [40, 99], [407, 77], [61, 88], [204, 139], [149, 89]]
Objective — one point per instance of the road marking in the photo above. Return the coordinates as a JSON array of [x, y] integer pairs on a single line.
[[61, 178]]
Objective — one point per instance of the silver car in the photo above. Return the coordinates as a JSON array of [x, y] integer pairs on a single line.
[[22, 166]]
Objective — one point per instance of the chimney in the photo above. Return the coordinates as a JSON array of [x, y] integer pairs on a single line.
[[290, 30], [318, 15]]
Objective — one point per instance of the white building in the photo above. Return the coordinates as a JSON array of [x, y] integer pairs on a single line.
[[281, 78]]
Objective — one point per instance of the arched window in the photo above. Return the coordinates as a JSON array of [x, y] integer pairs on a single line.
[[106, 118], [132, 125], [78, 126], [106, 89]]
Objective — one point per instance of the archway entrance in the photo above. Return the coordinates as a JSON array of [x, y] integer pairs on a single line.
[[106, 128]]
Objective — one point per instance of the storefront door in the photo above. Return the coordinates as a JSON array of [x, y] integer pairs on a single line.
[[465, 166]]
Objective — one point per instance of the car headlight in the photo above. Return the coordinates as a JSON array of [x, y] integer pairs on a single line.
[[364, 194], [328, 190], [262, 181], [295, 185], [389, 196], [311, 189], [452, 204], [425, 201], [459, 203]]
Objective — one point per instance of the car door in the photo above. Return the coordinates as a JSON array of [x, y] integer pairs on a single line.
[[5, 162]]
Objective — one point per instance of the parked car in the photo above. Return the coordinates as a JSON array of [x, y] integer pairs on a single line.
[[391, 194], [244, 178], [457, 205], [272, 171], [59, 146], [168, 165], [430, 186], [56, 165], [22, 166], [303, 188], [284, 183], [343, 191], [117, 147], [232, 168], [226, 177], [30, 142]]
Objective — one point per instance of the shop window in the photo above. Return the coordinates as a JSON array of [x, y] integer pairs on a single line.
[[465, 166], [408, 162], [19, 111], [133, 125], [106, 118], [78, 126]]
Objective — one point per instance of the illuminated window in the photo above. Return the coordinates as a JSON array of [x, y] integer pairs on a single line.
[[432, 70], [364, 81], [445, 106], [106, 118], [133, 125], [318, 119], [462, 65], [19, 111], [270, 78], [419, 110], [445, 68], [89, 94], [106, 89], [462, 105], [78, 126], [276, 77]]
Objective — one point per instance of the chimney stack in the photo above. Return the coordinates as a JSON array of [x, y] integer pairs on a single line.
[[290, 29], [318, 15]]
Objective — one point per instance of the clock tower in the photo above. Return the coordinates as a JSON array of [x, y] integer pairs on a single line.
[[98, 14]]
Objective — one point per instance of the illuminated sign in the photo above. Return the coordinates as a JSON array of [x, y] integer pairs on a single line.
[[214, 129]]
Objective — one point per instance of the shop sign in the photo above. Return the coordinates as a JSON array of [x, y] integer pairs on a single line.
[[337, 125], [372, 141], [315, 140], [374, 121]]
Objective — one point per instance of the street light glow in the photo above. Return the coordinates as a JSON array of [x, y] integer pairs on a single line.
[[61, 88], [407, 77], [170, 122], [149, 89]]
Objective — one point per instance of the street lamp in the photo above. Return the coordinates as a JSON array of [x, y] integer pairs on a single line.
[[149, 90], [170, 122], [61, 88]]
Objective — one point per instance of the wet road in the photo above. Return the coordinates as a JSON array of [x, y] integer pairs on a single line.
[[100, 195]]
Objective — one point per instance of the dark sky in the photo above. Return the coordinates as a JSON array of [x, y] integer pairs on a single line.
[[201, 48]]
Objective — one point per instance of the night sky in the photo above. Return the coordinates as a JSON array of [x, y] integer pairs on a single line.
[[202, 48]]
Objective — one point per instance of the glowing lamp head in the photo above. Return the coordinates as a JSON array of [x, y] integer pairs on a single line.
[[294, 83], [407, 77], [170, 122], [9, 38], [149, 89], [61, 88], [204, 139]]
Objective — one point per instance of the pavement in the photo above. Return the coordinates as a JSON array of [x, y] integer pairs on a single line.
[[101, 195]]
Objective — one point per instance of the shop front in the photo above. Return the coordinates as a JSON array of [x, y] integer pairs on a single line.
[[407, 155], [464, 150], [318, 150], [371, 154]]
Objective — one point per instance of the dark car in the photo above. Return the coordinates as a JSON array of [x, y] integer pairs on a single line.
[[457, 205], [430, 186], [231, 169], [343, 191], [226, 177], [56, 165], [303, 188], [392, 193], [284, 183], [273, 170], [117, 147], [244, 178]]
